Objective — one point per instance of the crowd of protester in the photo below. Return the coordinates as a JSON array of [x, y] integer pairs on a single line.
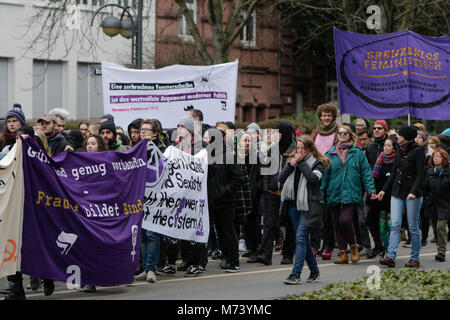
[[358, 188]]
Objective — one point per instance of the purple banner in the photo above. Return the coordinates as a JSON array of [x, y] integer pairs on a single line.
[[390, 75], [167, 97], [83, 215]]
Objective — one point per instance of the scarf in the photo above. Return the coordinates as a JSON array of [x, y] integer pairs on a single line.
[[327, 130], [382, 159], [405, 145], [8, 138], [345, 147], [302, 191]]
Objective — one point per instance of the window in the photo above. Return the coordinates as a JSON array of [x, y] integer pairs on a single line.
[[92, 3], [248, 33], [126, 3], [332, 92], [183, 29], [89, 92], [47, 86], [4, 81]]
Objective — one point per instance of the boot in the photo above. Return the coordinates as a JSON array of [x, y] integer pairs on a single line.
[[343, 258], [17, 293], [354, 253]]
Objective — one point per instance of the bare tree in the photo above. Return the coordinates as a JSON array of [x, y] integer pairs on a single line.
[[225, 29]]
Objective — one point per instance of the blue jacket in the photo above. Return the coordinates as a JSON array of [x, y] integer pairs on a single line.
[[344, 184]]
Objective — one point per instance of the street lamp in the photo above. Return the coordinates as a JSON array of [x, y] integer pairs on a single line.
[[130, 27]]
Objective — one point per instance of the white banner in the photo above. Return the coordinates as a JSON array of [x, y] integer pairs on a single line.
[[165, 93], [11, 210], [176, 195]]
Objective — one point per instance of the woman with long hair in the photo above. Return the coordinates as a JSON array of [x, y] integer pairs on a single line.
[[343, 186], [301, 178], [405, 185], [94, 143]]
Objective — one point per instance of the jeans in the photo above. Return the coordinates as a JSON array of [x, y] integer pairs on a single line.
[[303, 250], [150, 249], [412, 214]]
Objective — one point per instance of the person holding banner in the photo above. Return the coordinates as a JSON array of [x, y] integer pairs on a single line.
[[349, 167], [406, 182], [150, 240]]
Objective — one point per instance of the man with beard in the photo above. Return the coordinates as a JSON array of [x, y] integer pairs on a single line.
[[109, 134], [56, 141]]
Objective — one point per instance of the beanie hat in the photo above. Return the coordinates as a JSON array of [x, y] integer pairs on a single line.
[[108, 125], [230, 125], [383, 124], [17, 113], [408, 132], [109, 117], [187, 122], [422, 134], [253, 127]]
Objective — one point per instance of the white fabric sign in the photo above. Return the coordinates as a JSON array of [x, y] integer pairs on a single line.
[[11, 210], [176, 195], [165, 93]]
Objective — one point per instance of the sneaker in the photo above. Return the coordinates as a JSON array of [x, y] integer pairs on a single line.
[[8, 288], [252, 258], [365, 251], [151, 276], [233, 269], [247, 254], [375, 252], [141, 276], [183, 266], [313, 276], [424, 244], [193, 271], [326, 255], [169, 269], [388, 262], [90, 289], [286, 260], [217, 255], [412, 264], [440, 257], [293, 279], [407, 244]]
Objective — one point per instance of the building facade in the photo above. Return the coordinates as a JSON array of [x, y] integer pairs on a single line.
[[61, 69]]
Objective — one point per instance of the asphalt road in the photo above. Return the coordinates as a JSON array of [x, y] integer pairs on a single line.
[[253, 282]]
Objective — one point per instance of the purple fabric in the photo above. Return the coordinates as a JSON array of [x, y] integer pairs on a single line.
[[390, 75], [92, 220]]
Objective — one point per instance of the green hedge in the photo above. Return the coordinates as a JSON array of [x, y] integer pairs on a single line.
[[396, 284]]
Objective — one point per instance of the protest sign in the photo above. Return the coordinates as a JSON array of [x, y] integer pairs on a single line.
[[11, 210], [390, 75], [83, 213], [176, 196], [165, 94]]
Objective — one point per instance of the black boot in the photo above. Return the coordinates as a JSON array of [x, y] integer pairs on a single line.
[[17, 293], [49, 287]]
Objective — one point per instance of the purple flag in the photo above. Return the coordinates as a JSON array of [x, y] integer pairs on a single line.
[[83, 215], [390, 75]]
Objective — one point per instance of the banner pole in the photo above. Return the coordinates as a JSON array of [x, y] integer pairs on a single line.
[[409, 119]]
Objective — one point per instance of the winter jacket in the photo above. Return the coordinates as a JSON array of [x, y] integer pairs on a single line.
[[408, 173], [313, 177], [57, 144], [270, 182], [436, 190], [345, 184], [373, 151], [386, 171]]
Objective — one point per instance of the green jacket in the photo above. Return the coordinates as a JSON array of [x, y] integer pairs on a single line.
[[344, 184]]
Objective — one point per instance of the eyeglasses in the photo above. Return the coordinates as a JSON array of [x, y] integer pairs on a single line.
[[146, 129], [378, 128], [342, 133]]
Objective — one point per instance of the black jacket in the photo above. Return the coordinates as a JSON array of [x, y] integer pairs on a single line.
[[408, 173], [436, 189], [373, 151], [271, 182], [386, 171], [57, 144]]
